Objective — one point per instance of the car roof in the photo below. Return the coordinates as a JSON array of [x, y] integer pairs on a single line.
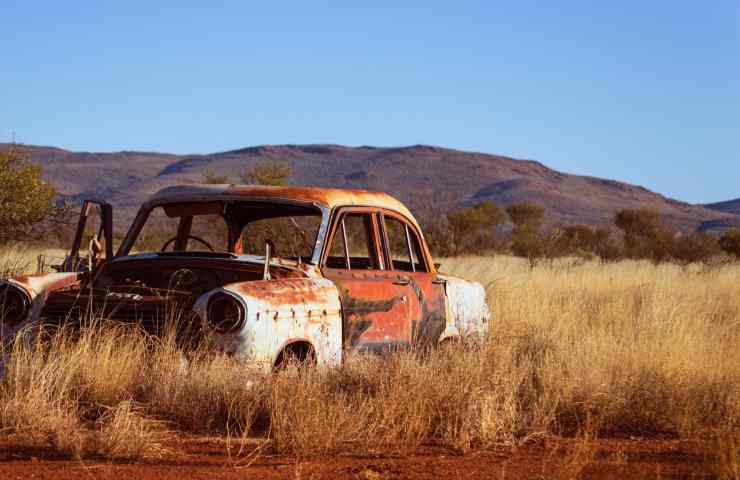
[[327, 197]]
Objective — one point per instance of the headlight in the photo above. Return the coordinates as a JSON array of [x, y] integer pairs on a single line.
[[14, 305], [225, 313]]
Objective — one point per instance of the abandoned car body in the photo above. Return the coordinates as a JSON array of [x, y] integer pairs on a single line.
[[274, 272]]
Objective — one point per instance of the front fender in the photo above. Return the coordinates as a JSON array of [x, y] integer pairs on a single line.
[[279, 312]]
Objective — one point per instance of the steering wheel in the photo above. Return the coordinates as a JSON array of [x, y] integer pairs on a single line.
[[198, 239]]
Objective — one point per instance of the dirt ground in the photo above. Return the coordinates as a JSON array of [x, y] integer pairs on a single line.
[[207, 458]]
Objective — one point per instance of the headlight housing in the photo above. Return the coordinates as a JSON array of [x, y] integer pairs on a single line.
[[225, 313], [14, 305]]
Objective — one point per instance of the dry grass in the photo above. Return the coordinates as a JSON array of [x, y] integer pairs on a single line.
[[626, 348], [725, 454], [16, 259], [75, 394], [647, 348], [125, 433]]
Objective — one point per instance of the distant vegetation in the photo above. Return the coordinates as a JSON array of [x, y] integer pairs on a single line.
[[29, 213], [635, 234], [27, 207], [274, 173]]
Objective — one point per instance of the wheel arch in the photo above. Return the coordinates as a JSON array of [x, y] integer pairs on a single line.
[[302, 348]]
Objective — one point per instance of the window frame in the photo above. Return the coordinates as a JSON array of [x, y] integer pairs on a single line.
[[409, 229], [338, 226], [142, 216]]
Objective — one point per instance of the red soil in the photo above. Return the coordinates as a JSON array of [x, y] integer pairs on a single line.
[[206, 458]]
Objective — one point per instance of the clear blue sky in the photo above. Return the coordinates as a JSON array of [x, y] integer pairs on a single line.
[[645, 92]]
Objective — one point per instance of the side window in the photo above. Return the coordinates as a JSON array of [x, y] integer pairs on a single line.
[[338, 254], [353, 245], [404, 246]]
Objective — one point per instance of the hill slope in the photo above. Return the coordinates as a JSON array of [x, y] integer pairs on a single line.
[[419, 175], [730, 206]]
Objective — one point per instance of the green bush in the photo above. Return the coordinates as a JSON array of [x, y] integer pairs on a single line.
[[28, 209]]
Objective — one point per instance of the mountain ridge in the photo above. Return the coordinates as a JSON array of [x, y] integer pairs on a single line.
[[420, 175], [728, 206]]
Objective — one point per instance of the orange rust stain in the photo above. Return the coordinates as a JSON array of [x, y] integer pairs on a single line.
[[330, 197], [45, 282], [284, 292]]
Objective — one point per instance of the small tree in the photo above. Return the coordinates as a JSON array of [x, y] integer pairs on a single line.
[[730, 242], [210, 176], [473, 228], [605, 247], [273, 172], [637, 224], [27, 208], [526, 239], [576, 240], [530, 244], [696, 247], [527, 215], [645, 236]]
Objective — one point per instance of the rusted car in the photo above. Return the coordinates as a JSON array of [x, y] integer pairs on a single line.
[[272, 272]]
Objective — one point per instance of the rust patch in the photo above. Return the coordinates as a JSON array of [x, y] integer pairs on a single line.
[[330, 197], [287, 292], [432, 318], [359, 313], [35, 284]]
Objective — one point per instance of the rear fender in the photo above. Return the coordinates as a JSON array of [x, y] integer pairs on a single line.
[[468, 311]]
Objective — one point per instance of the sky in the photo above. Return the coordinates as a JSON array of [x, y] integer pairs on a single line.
[[643, 92]]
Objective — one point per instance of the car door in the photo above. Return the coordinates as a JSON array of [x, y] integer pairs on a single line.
[[96, 219], [375, 301], [406, 258]]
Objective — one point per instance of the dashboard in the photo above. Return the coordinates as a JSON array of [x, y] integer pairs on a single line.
[[166, 275]]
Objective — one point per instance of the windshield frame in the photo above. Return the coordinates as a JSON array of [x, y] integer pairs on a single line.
[[143, 215]]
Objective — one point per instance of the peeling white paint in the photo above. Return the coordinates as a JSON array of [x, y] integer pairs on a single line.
[[467, 301]]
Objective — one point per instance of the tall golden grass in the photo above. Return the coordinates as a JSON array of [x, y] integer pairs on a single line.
[[16, 259], [575, 348]]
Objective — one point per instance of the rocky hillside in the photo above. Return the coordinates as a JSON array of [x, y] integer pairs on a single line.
[[420, 175], [730, 206]]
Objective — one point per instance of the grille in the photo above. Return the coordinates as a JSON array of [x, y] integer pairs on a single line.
[[152, 315]]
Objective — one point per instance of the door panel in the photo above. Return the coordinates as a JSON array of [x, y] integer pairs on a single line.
[[375, 302], [427, 308], [375, 309], [429, 314], [103, 233]]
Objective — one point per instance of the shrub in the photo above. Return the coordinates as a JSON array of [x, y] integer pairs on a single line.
[[645, 236], [638, 224], [526, 214], [526, 239], [696, 247], [272, 172], [472, 229], [28, 210], [730, 242], [210, 176], [529, 243]]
